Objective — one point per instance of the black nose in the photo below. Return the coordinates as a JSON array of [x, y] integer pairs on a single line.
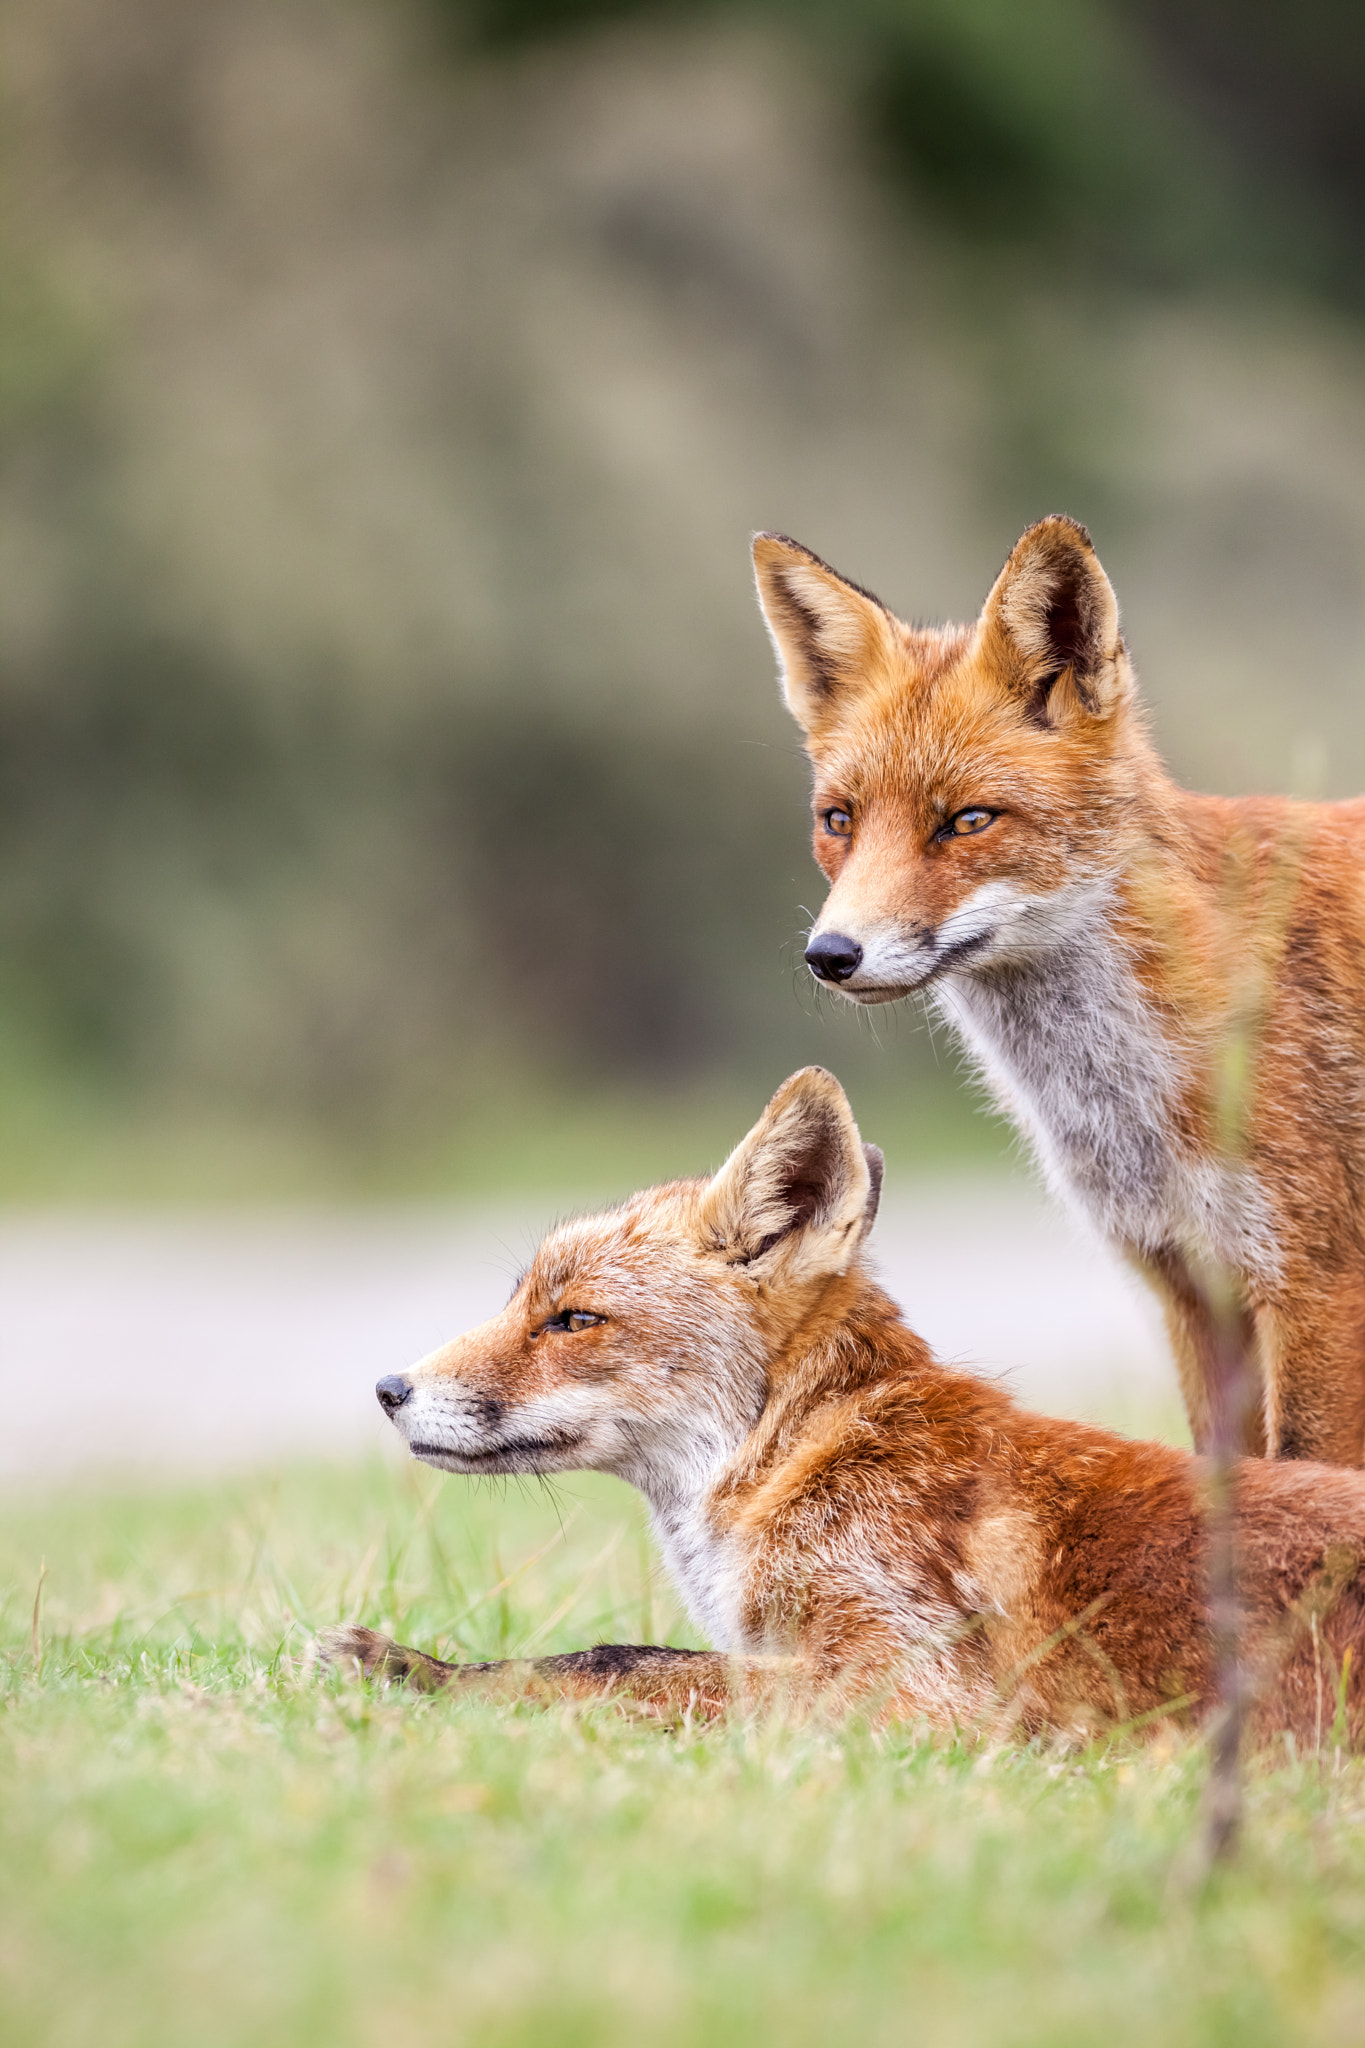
[[833, 957], [393, 1391]]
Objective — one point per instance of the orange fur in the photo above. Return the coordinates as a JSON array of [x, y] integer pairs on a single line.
[[848, 1520], [1101, 944]]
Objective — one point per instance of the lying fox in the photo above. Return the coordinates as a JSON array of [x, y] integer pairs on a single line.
[[995, 826], [845, 1518]]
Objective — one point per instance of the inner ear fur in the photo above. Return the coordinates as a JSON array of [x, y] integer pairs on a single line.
[[828, 632], [1055, 608], [801, 1181], [876, 1173]]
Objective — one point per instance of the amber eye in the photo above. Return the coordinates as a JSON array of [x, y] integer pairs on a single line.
[[967, 822], [837, 822], [570, 1319]]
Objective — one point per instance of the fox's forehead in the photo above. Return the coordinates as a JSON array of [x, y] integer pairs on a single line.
[[646, 1243], [924, 737]]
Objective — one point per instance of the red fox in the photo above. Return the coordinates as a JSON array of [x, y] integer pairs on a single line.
[[996, 827], [846, 1519]]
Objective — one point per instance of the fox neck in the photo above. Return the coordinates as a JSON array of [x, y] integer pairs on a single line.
[[1073, 1054], [676, 1469], [689, 1471], [1083, 1054]]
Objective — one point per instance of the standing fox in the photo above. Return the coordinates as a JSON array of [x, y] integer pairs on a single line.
[[846, 1519], [995, 824]]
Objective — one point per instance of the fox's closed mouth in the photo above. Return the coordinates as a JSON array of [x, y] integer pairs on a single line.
[[522, 1447], [960, 948], [880, 994], [893, 992]]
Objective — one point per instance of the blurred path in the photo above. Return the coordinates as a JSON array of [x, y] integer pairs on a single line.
[[193, 1343]]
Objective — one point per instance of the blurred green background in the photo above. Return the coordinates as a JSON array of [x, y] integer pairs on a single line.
[[394, 793]]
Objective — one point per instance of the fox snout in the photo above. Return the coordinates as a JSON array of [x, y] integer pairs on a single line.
[[878, 958], [392, 1391], [880, 962]]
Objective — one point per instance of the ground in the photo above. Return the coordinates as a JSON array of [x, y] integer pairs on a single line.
[[204, 1842]]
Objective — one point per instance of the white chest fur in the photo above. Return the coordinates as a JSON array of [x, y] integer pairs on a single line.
[[1077, 1056], [705, 1569]]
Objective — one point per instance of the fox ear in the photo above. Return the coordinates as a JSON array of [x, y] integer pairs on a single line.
[[827, 631], [801, 1187], [1056, 610]]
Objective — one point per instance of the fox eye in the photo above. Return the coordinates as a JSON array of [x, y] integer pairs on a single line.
[[838, 822], [966, 822], [570, 1319]]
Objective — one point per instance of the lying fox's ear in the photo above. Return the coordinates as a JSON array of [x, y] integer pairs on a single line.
[[800, 1188], [1055, 610], [827, 632]]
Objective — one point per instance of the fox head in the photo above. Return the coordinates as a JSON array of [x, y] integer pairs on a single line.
[[970, 782], [641, 1341]]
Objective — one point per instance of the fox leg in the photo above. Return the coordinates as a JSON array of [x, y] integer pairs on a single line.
[[665, 1682], [1197, 1343], [1313, 1344], [668, 1684]]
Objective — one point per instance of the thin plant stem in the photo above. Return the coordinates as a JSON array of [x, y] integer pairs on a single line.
[[1233, 1367], [34, 1636]]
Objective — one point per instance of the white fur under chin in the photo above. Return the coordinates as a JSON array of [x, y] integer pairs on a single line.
[[1075, 1055]]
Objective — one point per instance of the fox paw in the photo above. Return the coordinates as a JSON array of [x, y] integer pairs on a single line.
[[358, 1653], [362, 1653]]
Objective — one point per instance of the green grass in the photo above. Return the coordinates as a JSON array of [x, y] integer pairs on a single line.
[[204, 1844]]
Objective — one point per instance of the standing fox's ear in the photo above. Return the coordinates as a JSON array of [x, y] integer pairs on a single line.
[[801, 1190], [827, 631], [1055, 609]]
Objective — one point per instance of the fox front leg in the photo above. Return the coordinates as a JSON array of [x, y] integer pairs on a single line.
[[1196, 1341], [662, 1681], [1313, 1344], [1305, 1347]]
